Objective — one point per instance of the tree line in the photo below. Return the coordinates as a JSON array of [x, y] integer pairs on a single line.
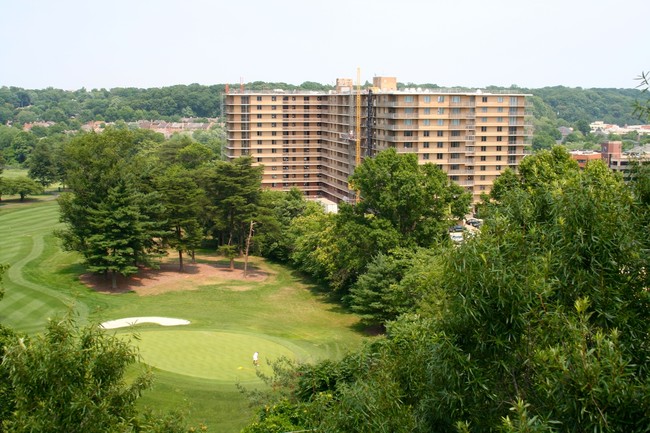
[[552, 107]]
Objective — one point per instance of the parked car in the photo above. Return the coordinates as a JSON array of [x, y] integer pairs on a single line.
[[457, 229], [456, 237]]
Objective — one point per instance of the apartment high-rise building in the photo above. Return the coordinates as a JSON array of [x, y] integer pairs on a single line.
[[308, 139]]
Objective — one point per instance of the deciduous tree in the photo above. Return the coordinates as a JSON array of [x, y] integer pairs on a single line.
[[77, 380]]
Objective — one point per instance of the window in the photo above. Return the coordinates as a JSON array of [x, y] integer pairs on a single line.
[[441, 98], [482, 168], [439, 145], [499, 109], [483, 119], [438, 155], [259, 98], [483, 138], [441, 110], [408, 121], [483, 128], [274, 107], [454, 155], [425, 144], [455, 122], [274, 150], [483, 148], [499, 119], [259, 116], [455, 99], [426, 133], [454, 167], [483, 109], [499, 138], [440, 133], [273, 98], [425, 156], [483, 158], [455, 144], [427, 111], [440, 122], [482, 177], [427, 99], [408, 133], [498, 168], [259, 142], [259, 133], [498, 148], [499, 128], [484, 99], [455, 133], [408, 145], [500, 99], [498, 157], [259, 107], [273, 116], [408, 98], [426, 122], [408, 110]]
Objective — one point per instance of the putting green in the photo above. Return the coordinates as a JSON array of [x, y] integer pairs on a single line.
[[212, 355]]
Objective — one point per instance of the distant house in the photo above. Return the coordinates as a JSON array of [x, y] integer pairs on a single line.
[[564, 130]]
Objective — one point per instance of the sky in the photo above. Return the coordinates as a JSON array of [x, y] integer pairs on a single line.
[[70, 44]]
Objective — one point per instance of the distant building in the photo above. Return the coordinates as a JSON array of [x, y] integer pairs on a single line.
[[308, 139], [564, 132], [600, 127], [582, 157], [620, 161]]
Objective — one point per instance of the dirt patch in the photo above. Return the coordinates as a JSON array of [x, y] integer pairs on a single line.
[[169, 279]]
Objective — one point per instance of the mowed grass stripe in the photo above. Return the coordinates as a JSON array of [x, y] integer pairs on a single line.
[[34, 307], [30, 226]]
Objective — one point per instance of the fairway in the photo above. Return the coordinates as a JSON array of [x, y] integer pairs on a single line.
[[198, 364], [220, 356]]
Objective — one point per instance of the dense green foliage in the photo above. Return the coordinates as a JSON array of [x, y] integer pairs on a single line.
[[112, 217], [538, 323], [403, 205], [73, 380]]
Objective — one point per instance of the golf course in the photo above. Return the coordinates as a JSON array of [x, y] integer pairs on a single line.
[[217, 318]]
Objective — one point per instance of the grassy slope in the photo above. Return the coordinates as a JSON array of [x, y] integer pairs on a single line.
[[43, 282]]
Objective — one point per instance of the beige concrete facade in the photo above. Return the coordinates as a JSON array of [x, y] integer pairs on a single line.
[[307, 139]]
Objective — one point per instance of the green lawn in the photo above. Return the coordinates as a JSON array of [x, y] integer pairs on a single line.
[[196, 365]]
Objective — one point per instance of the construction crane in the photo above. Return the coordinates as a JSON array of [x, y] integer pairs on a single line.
[[357, 134]]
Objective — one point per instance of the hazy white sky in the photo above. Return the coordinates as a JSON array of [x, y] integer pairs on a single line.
[[71, 44]]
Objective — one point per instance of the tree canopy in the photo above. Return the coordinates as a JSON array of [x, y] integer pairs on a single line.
[[537, 323]]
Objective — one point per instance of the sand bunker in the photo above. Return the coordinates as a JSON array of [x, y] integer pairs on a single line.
[[130, 321]]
